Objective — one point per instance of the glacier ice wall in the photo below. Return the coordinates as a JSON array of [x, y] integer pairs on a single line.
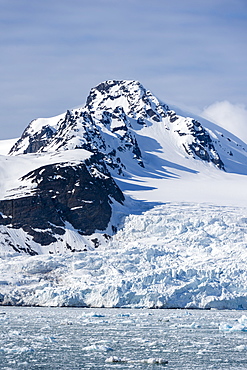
[[173, 256]]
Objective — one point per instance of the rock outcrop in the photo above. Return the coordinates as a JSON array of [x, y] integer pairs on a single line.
[[79, 194]]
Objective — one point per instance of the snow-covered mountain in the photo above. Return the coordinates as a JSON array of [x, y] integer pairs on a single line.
[[135, 179], [116, 116]]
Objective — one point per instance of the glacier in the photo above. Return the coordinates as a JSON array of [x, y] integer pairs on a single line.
[[179, 238], [178, 255]]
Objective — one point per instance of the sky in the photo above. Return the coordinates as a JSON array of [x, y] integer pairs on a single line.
[[187, 52]]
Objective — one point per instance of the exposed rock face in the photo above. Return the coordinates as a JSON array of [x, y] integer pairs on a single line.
[[200, 145], [79, 194]]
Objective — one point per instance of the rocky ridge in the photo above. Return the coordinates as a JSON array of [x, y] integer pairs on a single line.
[[114, 112]]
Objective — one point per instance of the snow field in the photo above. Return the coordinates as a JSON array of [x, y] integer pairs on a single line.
[[174, 255]]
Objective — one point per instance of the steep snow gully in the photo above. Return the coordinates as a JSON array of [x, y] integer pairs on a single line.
[[124, 202]]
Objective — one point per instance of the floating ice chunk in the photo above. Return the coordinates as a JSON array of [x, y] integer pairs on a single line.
[[194, 325], [3, 317], [236, 327], [225, 327], [164, 319], [14, 333], [242, 347], [115, 359], [98, 347], [239, 327], [243, 320], [51, 339], [65, 322], [201, 351], [92, 314], [18, 350], [151, 361], [155, 361]]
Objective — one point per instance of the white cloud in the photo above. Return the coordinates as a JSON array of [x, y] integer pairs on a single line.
[[232, 117]]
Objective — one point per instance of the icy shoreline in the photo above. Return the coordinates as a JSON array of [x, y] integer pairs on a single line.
[[172, 256]]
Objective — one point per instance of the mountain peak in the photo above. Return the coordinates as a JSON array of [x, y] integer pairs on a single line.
[[115, 118], [136, 101]]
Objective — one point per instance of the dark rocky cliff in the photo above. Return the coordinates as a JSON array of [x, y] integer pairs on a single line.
[[79, 194]]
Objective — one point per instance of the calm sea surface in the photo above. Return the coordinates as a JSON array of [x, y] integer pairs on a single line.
[[78, 338]]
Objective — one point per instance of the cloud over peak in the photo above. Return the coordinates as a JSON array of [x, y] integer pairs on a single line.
[[233, 117]]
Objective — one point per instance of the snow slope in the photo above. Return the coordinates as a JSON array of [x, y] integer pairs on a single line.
[[182, 231], [6, 145], [12, 169]]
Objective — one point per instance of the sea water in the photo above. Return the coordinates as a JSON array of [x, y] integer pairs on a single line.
[[113, 339]]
